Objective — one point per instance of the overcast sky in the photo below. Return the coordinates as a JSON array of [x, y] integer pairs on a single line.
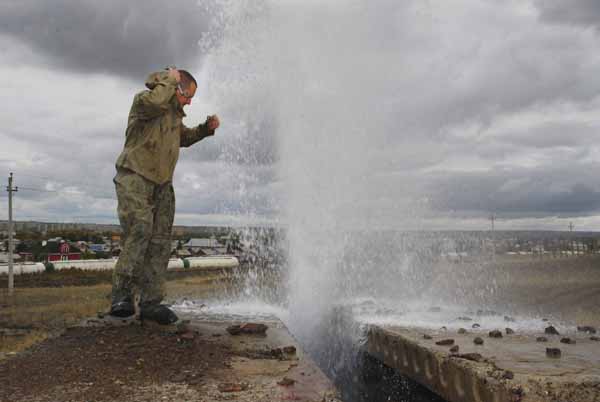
[[477, 107]]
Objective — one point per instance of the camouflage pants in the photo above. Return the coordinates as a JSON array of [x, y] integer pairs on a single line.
[[146, 212]]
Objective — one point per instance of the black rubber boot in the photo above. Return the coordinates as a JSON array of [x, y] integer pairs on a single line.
[[158, 313], [122, 308]]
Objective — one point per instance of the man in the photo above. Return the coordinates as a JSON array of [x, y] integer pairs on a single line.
[[146, 201]]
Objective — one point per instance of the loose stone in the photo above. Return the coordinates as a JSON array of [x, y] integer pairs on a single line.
[[276, 353], [541, 339], [509, 331], [247, 328], [286, 382], [475, 357], [568, 341], [553, 353], [425, 336], [508, 375], [587, 328], [475, 326], [289, 350], [445, 342], [495, 334], [462, 331], [478, 341], [551, 330], [454, 349]]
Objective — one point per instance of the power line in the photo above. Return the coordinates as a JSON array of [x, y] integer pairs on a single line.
[[40, 190], [72, 183]]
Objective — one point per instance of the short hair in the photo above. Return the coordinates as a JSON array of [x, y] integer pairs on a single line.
[[187, 79]]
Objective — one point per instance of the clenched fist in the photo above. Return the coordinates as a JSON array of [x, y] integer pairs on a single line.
[[212, 122]]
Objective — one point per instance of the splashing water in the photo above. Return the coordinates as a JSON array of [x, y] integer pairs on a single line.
[[334, 114], [318, 94]]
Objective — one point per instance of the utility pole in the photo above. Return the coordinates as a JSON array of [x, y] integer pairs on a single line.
[[571, 226], [492, 219], [11, 275]]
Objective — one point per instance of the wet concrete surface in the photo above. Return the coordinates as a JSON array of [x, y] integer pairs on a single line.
[[515, 367], [256, 361]]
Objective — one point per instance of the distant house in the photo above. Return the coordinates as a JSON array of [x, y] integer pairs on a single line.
[[61, 251], [99, 248], [196, 246]]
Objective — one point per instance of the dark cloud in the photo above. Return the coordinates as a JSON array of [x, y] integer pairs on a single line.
[[579, 12], [518, 192], [112, 36], [553, 134], [477, 94]]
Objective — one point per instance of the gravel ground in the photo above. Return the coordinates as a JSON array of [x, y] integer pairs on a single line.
[[130, 362]]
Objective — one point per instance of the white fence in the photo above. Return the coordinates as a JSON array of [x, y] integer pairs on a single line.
[[23, 268], [212, 262]]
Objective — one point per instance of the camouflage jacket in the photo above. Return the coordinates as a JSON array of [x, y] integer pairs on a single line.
[[155, 131]]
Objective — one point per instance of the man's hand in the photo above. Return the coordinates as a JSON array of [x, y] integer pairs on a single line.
[[212, 122], [173, 72]]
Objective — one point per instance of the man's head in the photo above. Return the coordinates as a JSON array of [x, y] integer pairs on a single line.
[[186, 88]]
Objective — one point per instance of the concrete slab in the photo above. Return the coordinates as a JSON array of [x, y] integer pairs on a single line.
[[266, 375], [512, 368]]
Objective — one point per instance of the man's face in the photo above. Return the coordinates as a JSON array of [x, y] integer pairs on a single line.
[[184, 96]]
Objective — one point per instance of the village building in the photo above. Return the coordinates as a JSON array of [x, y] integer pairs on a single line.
[[61, 251]]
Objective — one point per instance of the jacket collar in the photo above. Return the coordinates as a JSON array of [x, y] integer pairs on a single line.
[[178, 108]]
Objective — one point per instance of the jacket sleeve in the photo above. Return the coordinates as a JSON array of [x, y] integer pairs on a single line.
[[190, 136], [154, 102]]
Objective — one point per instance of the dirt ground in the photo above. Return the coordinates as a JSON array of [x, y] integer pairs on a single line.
[[47, 355], [133, 362], [110, 364]]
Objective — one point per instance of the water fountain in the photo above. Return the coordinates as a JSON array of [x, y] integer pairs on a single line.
[[336, 114]]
